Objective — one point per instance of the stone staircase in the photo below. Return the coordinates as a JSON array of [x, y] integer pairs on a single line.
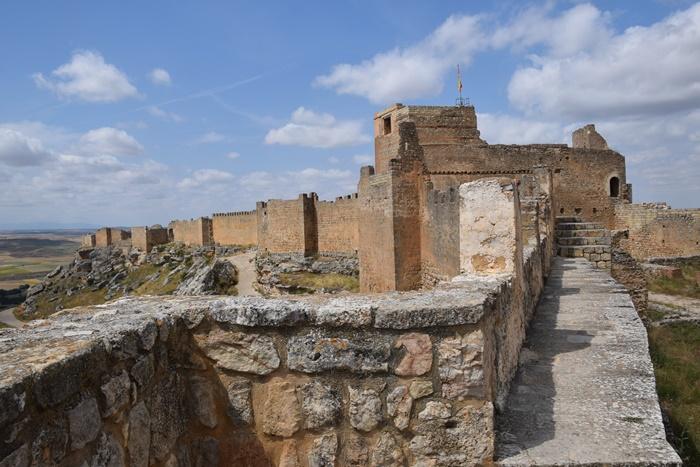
[[579, 239]]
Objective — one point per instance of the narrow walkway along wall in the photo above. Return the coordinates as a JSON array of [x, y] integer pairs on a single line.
[[359, 380]]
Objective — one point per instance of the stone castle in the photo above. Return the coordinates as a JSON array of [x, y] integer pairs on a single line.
[[408, 202], [426, 366]]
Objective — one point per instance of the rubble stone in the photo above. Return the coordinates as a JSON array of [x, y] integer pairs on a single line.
[[237, 351], [460, 365], [84, 423], [320, 404], [315, 352], [280, 410], [323, 451], [418, 356], [365, 410]]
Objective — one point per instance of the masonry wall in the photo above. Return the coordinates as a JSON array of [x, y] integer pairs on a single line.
[[440, 236], [145, 238], [281, 226], [193, 232], [337, 224], [88, 240], [235, 228], [657, 230], [103, 237], [359, 380], [377, 265]]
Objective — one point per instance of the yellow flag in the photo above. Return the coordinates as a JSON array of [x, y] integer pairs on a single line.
[[459, 81]]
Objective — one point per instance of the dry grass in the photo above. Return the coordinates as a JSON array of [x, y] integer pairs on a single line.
[[675, 351], [312, 281], [685, 285]]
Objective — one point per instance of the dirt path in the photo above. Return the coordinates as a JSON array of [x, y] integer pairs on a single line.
[[8, 318], [246, 272], [676, 308]]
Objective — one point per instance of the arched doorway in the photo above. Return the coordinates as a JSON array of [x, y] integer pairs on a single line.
[[614, 187]]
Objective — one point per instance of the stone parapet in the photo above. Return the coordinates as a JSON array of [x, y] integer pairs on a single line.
[[369, 378]]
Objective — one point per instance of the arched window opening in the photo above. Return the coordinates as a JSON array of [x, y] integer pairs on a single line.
[[614, 187]]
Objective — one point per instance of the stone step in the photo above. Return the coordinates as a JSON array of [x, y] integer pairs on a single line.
[[582, 241], [568, 219], [582, 233], [578, 226]]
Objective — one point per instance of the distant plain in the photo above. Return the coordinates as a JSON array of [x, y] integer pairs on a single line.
[[28, 255]]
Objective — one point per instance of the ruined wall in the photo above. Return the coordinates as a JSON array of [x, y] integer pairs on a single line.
[[235, 228], [587, 137], [88, 240], [376, 231], [282, 226], [103, 237], [145, 238], [193, 232], [440, 236], [657, 230], [337, 223], [356, 380], [108, 236]]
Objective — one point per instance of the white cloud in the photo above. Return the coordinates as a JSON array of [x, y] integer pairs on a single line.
[[411, 72], [159, 77], [210, 137], [164, 114], [88, 77], [317, 130], [363, 159], [206, 177], [18, 150], [641, 71], [580, 28], [507, 129], [108, 141], [233, 155], [328, 183]]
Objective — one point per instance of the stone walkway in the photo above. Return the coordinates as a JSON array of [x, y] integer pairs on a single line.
[[584, 394], [246, 273]]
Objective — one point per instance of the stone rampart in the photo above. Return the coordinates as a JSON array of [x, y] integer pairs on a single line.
[[108, 236], [337, 224], [382, 379], [364, 380], [193, 232], [235, 228], [145, 238], [658, 230]]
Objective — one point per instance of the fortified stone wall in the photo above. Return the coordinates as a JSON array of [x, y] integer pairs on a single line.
[[282, 226], [657, 230], [377, 265], [337, 224], [145, 238], [235, 228], [88, 240], [108, 236], [358, 380], [193, 232]]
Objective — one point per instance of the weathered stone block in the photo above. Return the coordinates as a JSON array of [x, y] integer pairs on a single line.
[[280, 409], [355, 450], [139, 435], [398, 405], [365, 409], [168, 415], [315, 353], [387, 452], [143, 370], [420, 388], [418, 356], [84, 423], [440, 308], [203, 401], [463, 439], [349, 312], [320, 404], [109, 452], [238, 391], [248, 353], [460, 365], [323, 451], [116, 393]]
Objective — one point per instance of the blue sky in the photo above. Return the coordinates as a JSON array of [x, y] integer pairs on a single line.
[[127, 113]]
